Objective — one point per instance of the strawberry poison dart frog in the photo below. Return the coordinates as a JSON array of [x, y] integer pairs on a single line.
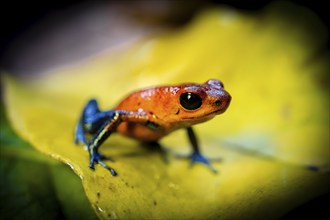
[[149, 114]]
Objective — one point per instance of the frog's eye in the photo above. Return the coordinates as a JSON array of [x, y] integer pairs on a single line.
[[190, 101]]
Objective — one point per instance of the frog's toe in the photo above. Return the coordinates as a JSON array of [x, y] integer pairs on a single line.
[[98, 158], [199, 158]]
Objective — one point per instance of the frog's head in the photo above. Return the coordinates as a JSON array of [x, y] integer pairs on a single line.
[[201, 102]]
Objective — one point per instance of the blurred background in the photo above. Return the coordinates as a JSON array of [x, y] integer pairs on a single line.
[[36, 36]]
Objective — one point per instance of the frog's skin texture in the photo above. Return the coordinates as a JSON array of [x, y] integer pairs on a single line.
[[150, 114]]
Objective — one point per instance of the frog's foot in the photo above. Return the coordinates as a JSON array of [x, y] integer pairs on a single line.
[[80, 137], [199, 158], [157, 147], [96, 157]]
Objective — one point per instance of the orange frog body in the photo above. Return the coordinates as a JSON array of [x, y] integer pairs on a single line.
[[150, 114]]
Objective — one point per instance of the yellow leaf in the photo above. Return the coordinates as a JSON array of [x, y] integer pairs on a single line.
[[277, 123]]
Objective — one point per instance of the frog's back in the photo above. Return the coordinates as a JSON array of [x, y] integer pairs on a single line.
[[152, 100]]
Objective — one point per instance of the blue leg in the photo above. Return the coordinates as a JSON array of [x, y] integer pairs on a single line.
[[80, 134], [101, 124], [93, 121], [90, 121], [196, 156], [90, 110], [96, 157]]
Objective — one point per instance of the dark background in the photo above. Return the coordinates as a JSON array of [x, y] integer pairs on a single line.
[[18, 16]]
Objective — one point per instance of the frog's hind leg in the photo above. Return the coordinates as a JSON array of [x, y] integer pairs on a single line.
[[90, 121], [90, 109]]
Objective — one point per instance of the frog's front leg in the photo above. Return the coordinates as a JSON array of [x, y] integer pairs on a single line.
[[196, 156], [101, 125], [103, 133], [109, 126]]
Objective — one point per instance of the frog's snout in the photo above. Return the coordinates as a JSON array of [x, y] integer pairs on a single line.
[[223, 102]]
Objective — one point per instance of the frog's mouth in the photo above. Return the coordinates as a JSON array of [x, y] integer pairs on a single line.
[[206, 116], [216, 112]]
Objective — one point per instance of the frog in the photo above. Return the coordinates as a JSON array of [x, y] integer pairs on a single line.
[[150, 114]]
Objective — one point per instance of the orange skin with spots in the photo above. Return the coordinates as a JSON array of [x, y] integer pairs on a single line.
[[162, 107]]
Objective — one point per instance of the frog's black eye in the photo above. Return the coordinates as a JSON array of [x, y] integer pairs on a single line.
[[190, 101]]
